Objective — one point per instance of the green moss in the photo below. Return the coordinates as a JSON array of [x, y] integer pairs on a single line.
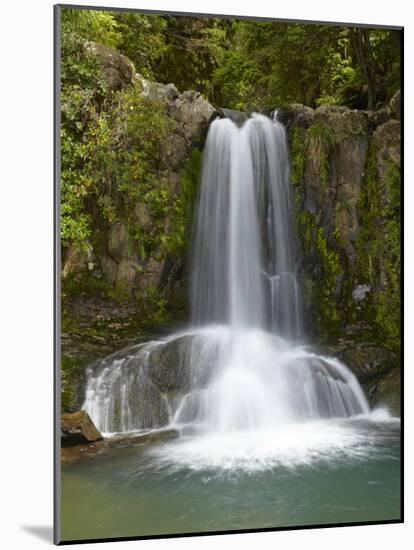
[[70, 375], [297, 152], [183, 206], [323, 267], [322, 259], [329, 275], [379, 253]]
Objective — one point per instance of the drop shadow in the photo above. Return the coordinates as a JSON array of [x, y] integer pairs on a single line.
[[43, 532]]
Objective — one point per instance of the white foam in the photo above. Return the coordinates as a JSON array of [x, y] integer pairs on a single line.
[[290, 446]]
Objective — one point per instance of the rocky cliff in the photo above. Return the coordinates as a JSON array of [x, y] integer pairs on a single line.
[[346, 178]]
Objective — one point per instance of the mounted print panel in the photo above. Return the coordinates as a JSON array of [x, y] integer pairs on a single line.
[[228, 274]]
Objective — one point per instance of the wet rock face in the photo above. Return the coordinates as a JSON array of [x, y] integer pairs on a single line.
[[387, 391], [169, 365], [377, 369], [133, 386]]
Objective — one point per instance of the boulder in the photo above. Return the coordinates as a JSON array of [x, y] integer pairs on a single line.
[[193, 114], [155, 91], [174, 150], [77, 428], [366, 360], [168, 367], [380, 117], [191, 111], [141, 214], [118, 70], [296, 113]]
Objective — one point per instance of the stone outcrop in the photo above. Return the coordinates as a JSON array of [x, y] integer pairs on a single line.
[[118, 70], [78, 428], [341, 163]]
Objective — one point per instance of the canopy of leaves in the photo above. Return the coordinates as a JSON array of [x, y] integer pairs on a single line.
[[251, 64]]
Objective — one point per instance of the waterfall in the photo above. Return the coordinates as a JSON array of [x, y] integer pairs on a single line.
[[240, 367], [243, 269]]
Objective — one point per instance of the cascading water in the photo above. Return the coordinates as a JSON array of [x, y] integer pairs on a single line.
[[244, 254], [240, 368]]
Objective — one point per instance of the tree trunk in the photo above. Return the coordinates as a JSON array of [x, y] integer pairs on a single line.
[[363, 52]]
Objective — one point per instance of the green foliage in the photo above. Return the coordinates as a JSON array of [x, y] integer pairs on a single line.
[[110, 149], [126, 148], [96, 25], [142, 40], [345, 213], [320, 138], [297, 151], [153, 308], [82, 91], [247, 64], [284, 62], [235, 81], [193, 50]]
